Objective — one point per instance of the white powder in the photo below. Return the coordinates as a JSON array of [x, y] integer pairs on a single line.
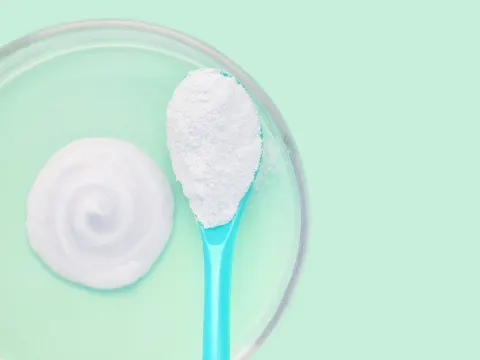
[[213, 134]]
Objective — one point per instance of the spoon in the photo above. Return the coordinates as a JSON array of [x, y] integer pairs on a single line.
[[218, 243], [215, 141]]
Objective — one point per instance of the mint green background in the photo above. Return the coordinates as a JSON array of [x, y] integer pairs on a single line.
[[383, 100]]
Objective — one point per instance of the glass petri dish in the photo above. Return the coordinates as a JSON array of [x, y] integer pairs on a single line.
[[114, 79]]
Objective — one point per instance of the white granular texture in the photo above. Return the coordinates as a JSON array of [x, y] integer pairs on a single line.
[[213, 134]]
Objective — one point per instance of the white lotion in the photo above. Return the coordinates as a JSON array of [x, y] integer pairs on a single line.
[[213, 134], [100, 213]]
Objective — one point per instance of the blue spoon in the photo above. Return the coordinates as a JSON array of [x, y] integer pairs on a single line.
[[218, 243]]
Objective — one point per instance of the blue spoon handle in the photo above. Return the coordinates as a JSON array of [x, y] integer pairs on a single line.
[[218, 255]]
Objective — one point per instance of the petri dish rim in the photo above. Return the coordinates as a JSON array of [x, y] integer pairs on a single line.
[[263, 99]]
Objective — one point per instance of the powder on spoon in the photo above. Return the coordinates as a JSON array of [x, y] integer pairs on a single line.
[[213, 134]]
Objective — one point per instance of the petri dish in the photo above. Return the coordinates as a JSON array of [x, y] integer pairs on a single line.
[[113, 79]]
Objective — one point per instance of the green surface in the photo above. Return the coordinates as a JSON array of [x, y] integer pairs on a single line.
[[382, 98]]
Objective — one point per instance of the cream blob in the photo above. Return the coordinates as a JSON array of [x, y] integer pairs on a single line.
[[100, 213]]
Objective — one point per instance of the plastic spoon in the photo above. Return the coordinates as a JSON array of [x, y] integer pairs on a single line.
[[218, 244]]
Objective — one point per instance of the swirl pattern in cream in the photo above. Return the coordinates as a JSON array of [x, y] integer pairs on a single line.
[[100, 213]]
